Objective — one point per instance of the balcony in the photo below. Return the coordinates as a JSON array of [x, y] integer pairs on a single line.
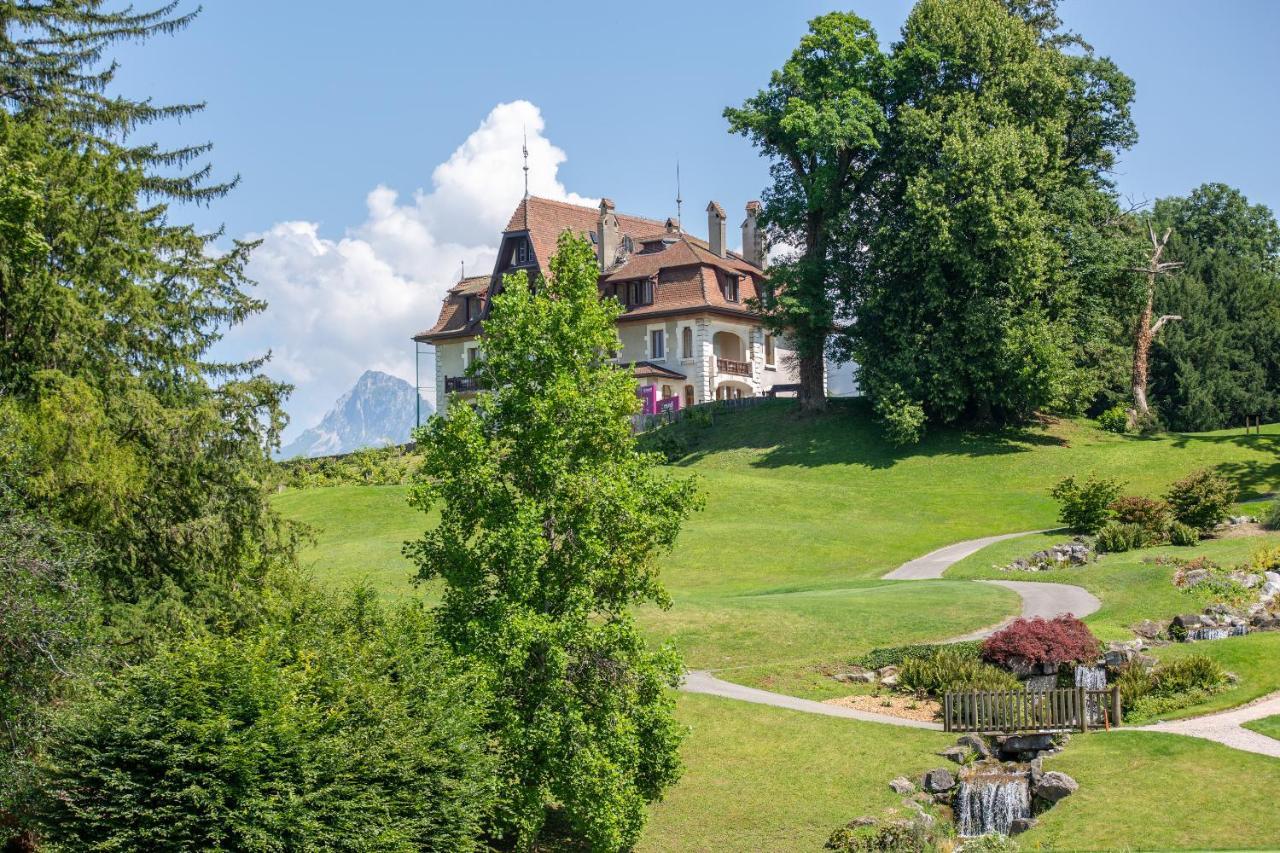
[[461, 384], [733, 368]]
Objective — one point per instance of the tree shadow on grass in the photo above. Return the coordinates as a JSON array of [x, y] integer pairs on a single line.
[[847, 434], [1257, 478]]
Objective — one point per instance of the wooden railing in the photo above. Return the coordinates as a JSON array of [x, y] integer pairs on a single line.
[[735, 368], [1007, 711], [644, 423], [460, 384]]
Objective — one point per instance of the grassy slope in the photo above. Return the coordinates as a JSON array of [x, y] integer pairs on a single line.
[[1132, 590], [780, 569]]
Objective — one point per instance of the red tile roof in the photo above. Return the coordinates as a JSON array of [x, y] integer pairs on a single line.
[[686, 273]]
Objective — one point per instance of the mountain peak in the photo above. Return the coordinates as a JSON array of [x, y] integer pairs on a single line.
[[380, 409]]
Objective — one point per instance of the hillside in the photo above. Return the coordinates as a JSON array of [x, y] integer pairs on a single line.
[[380, 409]]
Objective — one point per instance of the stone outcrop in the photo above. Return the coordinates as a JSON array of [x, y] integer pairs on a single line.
[[1053, 786]]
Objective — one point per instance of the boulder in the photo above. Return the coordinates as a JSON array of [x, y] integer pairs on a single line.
[[886, 672], [858, 676], [1020, 825], [1187, 620], [1026, 743], [1054, 786], [890, 680], [1148, 630], [902, 785], [958, 754], [939, 781], [975, 743]]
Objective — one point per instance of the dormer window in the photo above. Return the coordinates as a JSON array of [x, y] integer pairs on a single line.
[[729, 288], [520, 252], [473, 308]]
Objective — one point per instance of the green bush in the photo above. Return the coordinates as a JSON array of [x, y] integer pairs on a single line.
[[344, 729], [1114, 419], [1193, 672], [1183, 535], [1201, 499], [380, 466], [947, 669], [1151, 515], [1148, 423], [1086, 506], [1115, 537], [1153, 704], [1134, 682], [1266, 559], [897, 655], [1271, 518], [903, 419]]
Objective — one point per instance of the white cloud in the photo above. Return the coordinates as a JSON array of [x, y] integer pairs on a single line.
[[340, 306]]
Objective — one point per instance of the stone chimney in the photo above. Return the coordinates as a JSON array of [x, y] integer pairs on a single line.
[[607, 235], [715, 229], [752, 238]]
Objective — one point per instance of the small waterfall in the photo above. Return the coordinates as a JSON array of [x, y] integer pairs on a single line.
[[991, 802], [1041, 682], [1092, 678], [1217, 633]]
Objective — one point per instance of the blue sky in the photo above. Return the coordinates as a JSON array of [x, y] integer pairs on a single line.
[[337, 117]]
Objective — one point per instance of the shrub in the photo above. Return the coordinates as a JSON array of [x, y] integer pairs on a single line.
[[1193, 672], [1201, 499], [1114, 419], [1115, 537], [947, 669], [1062, 639], [1271, 518], [1086, 506], [1183, 535], [1266, 559], [1151, 515], [381, 466], [1148, 423], [342, 730], [898, 655], [1134, 682], [903, 419]]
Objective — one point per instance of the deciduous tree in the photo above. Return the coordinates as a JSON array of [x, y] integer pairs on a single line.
[[551, 526]]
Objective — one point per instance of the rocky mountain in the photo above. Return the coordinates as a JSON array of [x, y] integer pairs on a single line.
[[381, 409]]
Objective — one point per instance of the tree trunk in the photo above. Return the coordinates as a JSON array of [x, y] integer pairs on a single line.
[[813, 396], [1142, 350]]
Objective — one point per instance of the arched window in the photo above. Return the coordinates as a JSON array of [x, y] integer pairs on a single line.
[[686, 342]]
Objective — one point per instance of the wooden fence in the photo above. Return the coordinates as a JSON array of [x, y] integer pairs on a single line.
[[1007, 711], [644, 423]]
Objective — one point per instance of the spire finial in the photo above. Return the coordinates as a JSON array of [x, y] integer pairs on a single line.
[[524, 149], [679, 200], [464, 270]]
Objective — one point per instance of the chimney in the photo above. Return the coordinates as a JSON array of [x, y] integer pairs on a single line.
[[672, 225], [715, 229], [606, 235], [752, 239]]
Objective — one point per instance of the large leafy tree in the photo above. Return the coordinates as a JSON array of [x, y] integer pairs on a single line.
[[551, 525], [991, 251], [1221, 363], [818, 121]]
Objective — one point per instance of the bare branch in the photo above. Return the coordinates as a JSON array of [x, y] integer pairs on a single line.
[[1167, 318]]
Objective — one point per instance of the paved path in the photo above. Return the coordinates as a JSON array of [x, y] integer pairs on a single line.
[[1224, 727], [698, 681], [1038, 599]]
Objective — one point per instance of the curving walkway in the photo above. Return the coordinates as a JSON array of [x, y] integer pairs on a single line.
[[1224, 727], [1038, 599]]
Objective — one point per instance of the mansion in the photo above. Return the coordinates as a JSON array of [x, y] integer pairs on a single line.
[[687, 331]]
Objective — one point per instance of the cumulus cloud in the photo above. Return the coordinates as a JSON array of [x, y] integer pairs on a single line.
[[340, 305]]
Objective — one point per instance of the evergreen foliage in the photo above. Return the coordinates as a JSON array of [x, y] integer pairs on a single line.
[[1221, 364], [1086, 504], [551, 524], [1202, 499], [340, 726]]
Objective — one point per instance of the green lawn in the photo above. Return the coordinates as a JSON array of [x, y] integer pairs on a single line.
[[1148, 791], [1269, 726], [778, 578]]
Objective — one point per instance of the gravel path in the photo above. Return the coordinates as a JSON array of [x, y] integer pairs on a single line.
[[1224, 727], [932, 565]]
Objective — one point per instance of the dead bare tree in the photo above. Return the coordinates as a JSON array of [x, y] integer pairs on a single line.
[[1145, 330]]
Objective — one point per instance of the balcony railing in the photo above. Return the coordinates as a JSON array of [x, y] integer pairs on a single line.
[[461, 384], [735, 368]]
